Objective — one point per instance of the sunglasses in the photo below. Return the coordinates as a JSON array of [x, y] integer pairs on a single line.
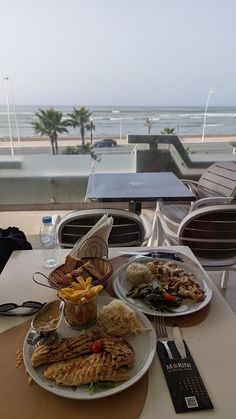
[[26, 309]]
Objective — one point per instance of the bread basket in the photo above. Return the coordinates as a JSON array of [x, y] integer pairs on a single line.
[[103, 266]]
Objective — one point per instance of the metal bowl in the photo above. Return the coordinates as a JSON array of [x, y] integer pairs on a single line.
[[47, 320]]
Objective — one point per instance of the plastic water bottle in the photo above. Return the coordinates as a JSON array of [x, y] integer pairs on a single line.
[[48, 241]]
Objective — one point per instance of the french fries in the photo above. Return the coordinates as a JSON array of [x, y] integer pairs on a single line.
[[81, 291]]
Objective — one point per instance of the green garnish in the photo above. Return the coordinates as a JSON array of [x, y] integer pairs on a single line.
[[94, 385]]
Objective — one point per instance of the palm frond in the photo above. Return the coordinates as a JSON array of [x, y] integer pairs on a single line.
[[50, 122]]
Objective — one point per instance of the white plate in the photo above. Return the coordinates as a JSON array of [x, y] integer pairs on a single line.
[[144, 345], [121, 287]]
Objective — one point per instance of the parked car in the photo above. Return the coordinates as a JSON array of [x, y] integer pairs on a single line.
[[107, 142]]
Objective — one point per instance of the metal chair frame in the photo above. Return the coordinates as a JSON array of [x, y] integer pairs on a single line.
[[210, 233], [217, 181], [128, 228]]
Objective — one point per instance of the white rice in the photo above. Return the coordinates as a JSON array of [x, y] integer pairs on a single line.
[[138, 273]]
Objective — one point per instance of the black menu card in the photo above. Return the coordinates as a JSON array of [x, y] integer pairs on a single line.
[[185, 384]]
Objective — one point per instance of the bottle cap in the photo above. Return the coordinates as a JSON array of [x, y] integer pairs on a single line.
[[47, 219]]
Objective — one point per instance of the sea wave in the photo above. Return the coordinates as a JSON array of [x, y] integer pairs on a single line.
[[109, 119], [215, 125], [25, 113], [100, 118], [221, 115], [121, 119]]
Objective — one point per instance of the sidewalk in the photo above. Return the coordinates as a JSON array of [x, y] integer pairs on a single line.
[[73, 141]]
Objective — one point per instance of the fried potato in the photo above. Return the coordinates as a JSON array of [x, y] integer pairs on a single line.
[[81, 291]]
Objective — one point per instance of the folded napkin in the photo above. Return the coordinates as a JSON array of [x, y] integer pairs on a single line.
[[185, 384], [95, 242]]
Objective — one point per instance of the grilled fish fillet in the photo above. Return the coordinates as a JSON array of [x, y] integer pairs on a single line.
[[84, 370], [66, 349], [121, 351]]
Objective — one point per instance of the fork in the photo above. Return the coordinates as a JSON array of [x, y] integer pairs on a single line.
[[161, 334]]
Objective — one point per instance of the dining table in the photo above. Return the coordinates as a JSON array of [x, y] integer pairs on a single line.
[[136, 188], [210, 334]]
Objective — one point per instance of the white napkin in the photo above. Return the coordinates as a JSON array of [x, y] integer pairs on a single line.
[[95, 242]]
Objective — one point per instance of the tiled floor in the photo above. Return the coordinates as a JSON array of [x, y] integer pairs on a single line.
[[30, 222]]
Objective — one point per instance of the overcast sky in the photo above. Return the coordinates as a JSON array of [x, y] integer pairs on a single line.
[[118, 52]]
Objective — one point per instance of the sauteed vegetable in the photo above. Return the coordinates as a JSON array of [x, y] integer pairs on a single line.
[[155, 297]]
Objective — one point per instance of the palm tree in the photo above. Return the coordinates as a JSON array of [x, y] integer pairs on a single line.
[[149, 124], [49, 122], [91, 127], [168, 131], [80, 118]]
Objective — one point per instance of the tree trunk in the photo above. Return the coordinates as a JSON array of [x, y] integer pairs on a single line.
[[52, 144], [82, 134], [56, 144]]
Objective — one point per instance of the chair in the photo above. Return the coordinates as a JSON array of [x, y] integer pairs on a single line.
[[210, 233], [218, 180], [128, 228]]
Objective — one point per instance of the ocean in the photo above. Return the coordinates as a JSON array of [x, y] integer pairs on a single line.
[[118, 121]]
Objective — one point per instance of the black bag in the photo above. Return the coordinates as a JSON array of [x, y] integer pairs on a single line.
[[11, 238]]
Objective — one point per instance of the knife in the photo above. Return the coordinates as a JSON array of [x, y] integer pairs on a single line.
[[179, 343], [155, 254]]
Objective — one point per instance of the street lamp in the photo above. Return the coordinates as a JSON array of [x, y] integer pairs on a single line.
[[5, 78], [15, 119], [211, 91]]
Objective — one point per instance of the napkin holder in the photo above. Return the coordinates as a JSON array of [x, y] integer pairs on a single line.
[[94, 247]]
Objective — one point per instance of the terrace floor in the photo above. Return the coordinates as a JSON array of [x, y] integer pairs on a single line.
[[30, 222]]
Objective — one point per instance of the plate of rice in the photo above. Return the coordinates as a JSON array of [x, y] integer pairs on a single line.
[[163, 287]]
